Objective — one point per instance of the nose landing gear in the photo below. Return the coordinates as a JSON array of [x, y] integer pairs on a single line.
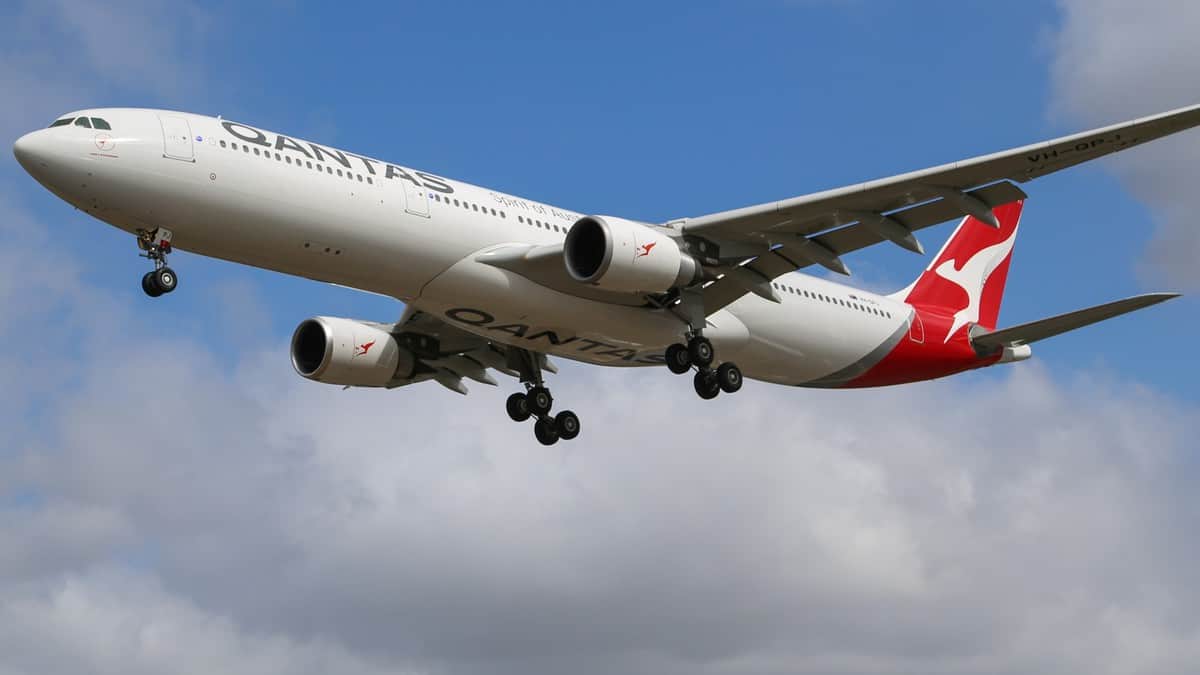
[[156, 244], [536, 401]]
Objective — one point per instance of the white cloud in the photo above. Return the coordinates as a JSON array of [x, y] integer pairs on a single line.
[[977, 525], [200, 516], [1117, 60]]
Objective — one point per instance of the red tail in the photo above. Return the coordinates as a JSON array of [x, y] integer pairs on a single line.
[[966, 279]]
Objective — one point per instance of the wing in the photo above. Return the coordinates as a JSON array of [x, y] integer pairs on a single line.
[[759, 243], [447, 354]]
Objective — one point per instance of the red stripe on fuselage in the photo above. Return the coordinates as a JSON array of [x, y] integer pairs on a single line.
[[924, 354]]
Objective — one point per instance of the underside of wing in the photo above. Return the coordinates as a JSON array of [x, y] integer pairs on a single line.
[[753, 245]]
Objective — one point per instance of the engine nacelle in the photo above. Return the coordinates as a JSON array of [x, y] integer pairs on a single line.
[[344, 351], [620, 255]]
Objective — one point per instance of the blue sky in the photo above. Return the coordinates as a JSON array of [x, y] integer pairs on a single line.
[[654, 112], [174, 498]]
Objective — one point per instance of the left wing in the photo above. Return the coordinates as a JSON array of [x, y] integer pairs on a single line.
[[447, 354]]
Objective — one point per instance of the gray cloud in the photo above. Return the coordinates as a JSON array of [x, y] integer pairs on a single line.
[[1116, 60]]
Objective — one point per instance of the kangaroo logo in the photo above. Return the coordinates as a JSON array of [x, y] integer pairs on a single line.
[[644, 250], [972, 277], [361, 350]]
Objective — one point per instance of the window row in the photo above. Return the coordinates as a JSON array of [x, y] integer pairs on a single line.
[[447, 200], [544, 226], [305, 164], [862, 307]]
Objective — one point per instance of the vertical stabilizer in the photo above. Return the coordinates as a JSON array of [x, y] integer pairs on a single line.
[[966, 278]]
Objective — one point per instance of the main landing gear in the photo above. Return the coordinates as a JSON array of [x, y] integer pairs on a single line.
[[708, 381], [156, 244], [536, 402]]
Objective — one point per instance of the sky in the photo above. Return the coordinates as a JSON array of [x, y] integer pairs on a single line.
[[173, 498]]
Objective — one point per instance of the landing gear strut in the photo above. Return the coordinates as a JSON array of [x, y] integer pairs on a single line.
[[698, 353], [156, 244], [537, 402]]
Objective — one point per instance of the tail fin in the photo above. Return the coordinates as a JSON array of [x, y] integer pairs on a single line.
[[966, 278]]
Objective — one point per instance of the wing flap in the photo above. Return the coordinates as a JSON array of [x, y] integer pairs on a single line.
[[1041, 329]]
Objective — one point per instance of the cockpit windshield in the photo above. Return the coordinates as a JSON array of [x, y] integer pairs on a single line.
[[87, 123]]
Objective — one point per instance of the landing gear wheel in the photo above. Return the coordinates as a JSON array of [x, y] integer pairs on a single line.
[[540, 401], [566, 424], [545, 432], [700, 351], [149, 286], [518, 407], [729, 377], [706, 384], [164, 279], [678, 360]]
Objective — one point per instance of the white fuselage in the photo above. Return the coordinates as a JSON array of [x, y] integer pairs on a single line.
[[281, 203]]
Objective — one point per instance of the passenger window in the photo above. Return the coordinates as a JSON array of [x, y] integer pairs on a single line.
[[369, 181], [288, 159], [256, 151], [61, 123], [83, 122], [246, 149], [222, 144], [329, 170], [278, 158], [359, 177], [308, 164]]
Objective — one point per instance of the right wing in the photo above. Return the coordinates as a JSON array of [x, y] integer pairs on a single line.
[[1033, 331], [767, 240]]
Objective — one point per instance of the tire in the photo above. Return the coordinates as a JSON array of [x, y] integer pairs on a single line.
[[700, 351], [545, 433], [706, 384], [517, 406], [566, 424], [540, 401], [678, 360], [164, 279], [729, 377], [148, 285]]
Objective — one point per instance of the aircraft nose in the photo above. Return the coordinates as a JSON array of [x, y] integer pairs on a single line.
[[30, 150]]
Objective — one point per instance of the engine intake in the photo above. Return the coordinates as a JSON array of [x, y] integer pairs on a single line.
[[620, 255], [344, 351]]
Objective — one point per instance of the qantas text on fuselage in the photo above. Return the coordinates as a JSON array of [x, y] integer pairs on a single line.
[[496, 284]]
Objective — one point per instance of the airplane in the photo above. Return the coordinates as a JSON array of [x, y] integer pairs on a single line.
[[496, 282]]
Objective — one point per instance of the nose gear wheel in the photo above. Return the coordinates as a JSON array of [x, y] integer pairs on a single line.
[[156, 244]]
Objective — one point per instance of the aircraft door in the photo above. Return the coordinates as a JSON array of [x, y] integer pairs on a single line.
[[416, 197], [177, 138], [916, 327]]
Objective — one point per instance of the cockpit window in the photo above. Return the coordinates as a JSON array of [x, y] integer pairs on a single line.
[[100, 124], [83, 122], [61, 123]]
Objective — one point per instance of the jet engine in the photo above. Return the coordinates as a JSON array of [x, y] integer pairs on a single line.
[[344, 351], [620, 255]]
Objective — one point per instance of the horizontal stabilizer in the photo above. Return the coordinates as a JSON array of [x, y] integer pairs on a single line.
[[1039, 330]]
